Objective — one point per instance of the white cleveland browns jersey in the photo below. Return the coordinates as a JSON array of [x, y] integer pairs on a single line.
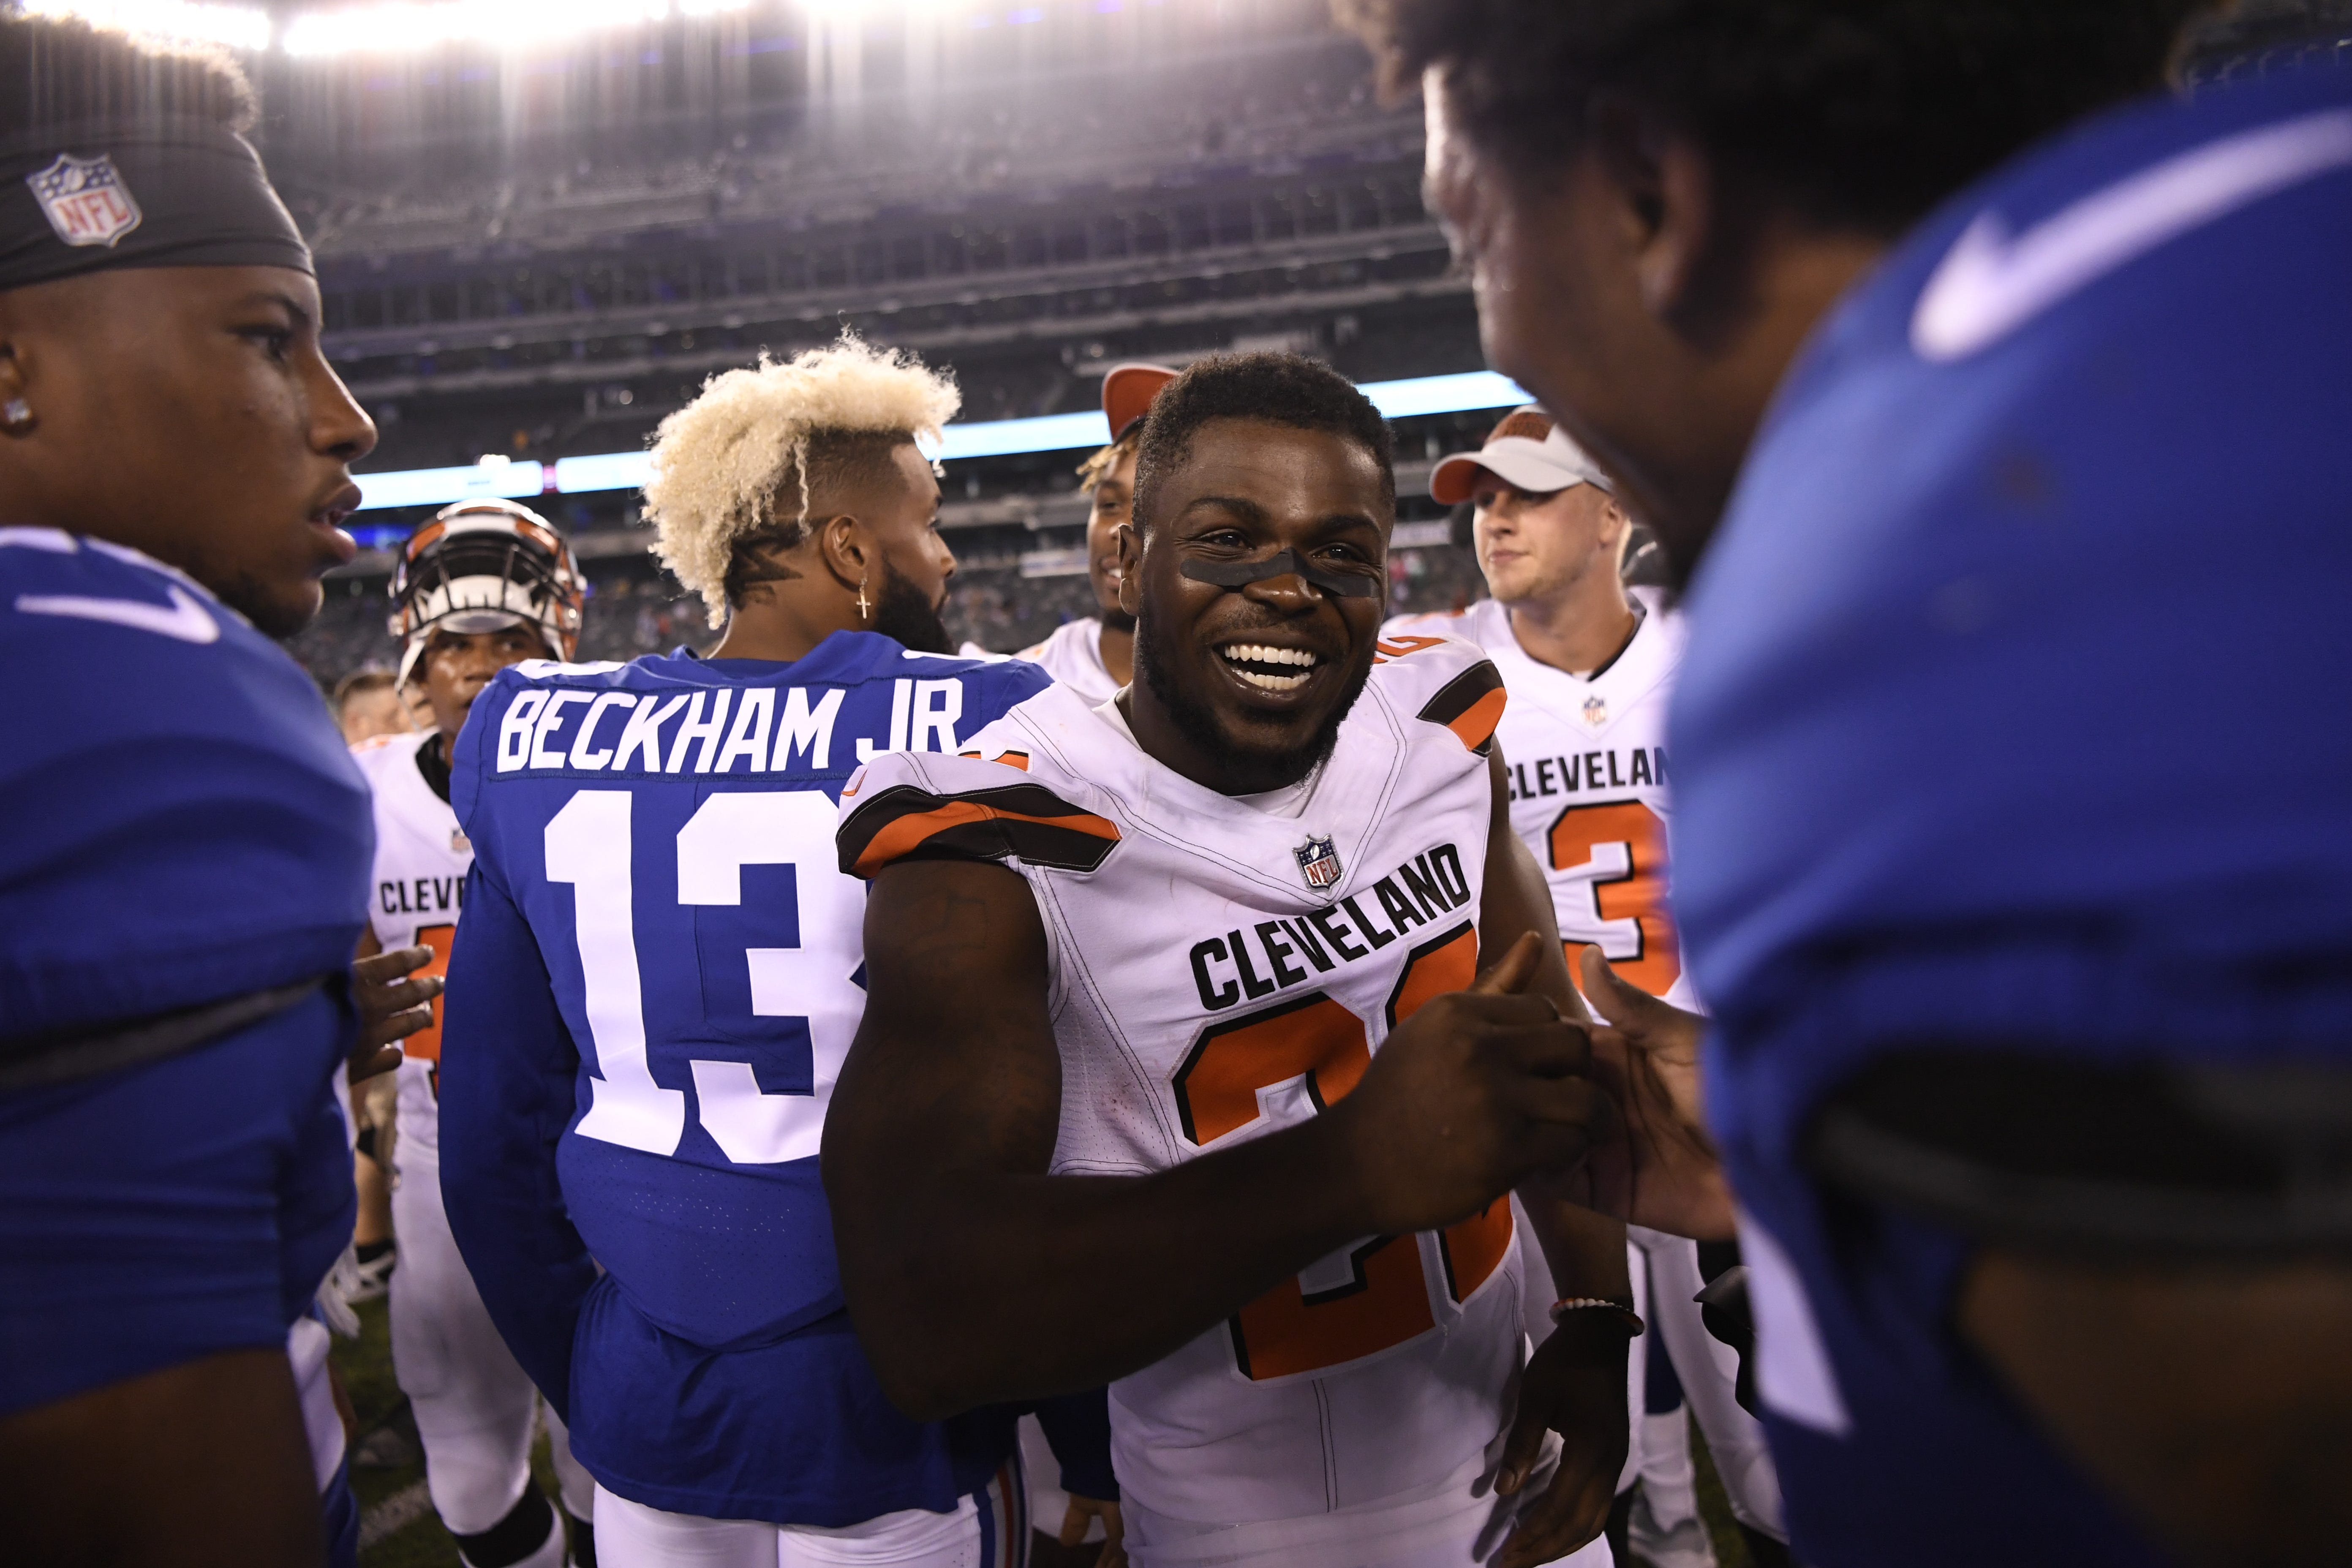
[[421, 861], [1072, 657], [1224, 967], [1588, 767]]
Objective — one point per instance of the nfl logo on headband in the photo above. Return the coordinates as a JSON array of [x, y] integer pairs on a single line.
[[86, 200], [1318, 860]]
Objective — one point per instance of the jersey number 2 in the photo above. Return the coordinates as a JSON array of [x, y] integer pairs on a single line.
[[588, 846], [1374, 1295]]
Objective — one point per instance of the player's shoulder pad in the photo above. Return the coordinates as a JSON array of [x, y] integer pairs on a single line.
[[469, 753], [1441, 680], [1424, 623], [994, 684], [51, 581], [976, 806], [848, 658], [379, 753]]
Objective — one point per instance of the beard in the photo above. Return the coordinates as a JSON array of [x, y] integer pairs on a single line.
[[1118, 620], [903, 614], [1199, 725]]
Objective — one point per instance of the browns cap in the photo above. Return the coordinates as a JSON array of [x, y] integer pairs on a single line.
[[1526, 451], [1127, 391]]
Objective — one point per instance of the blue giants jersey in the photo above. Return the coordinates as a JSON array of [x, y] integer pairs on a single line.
[[2016, 717], [659, 975], [184, 830]]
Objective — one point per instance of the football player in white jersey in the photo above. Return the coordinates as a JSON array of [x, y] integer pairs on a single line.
[[1094, 656], [1178, 1066], [1590, 666], [483, 585]]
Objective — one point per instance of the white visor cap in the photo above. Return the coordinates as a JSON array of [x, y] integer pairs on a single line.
[[1526, 451]]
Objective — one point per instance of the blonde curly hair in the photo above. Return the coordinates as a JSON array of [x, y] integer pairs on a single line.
[[724, 463]]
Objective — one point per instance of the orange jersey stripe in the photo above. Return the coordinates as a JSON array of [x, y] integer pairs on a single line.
[[1476, 724], [902, 835]]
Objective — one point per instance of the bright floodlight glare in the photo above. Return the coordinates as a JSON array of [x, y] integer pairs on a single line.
[[238, 26], [399, 28], [842, 10]]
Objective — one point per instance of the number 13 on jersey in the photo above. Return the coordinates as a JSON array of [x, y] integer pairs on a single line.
[[589, 846]]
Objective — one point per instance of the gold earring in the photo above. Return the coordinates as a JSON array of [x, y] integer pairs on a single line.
[[865, 610]]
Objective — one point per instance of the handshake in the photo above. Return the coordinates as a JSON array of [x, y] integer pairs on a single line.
[[1484, 1090]]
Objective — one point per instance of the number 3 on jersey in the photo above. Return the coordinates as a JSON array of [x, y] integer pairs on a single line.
[[1618, 849], [588, 846], [1376, 1295]]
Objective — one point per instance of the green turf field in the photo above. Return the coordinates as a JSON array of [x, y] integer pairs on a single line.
[[399, 1529]]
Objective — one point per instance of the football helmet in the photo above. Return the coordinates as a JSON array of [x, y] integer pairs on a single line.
[[480, 565]]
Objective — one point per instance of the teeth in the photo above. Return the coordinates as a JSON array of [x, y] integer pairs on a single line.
[[1273, 682], [1257, 653]]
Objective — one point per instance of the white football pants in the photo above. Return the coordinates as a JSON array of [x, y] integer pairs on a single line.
[[989, 1529], [474, 1408], [1708, 1368]]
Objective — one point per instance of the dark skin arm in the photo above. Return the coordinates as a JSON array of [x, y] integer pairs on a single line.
[[973, 1276], [2216, 1401], [1663, 1172], [204, 1464]]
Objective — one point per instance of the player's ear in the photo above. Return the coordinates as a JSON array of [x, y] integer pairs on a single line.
[[1665, 200], [15, 375], [1130, 568], [847, 550]]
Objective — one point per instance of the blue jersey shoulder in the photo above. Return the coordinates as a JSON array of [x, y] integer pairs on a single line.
[[191, 825], [2011, 718], [2038, 565], [808, 723]]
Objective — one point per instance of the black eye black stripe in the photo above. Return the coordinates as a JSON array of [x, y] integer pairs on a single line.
[[1284, 564]]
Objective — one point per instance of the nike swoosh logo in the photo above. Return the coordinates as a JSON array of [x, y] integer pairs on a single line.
[[1990, 284], [186, 619]]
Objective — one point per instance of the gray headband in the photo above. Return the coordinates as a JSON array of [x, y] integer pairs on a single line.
[[166, 192]]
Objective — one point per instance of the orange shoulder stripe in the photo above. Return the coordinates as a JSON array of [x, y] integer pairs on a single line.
[[900, 837]]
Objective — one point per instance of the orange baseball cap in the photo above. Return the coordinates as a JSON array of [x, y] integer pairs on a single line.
[[1127, 391]]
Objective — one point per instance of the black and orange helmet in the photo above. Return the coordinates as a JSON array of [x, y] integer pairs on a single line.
[[480, 565]]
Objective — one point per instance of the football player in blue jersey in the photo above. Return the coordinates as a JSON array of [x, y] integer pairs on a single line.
[[2034, 999], [185, 873], [659, 972]]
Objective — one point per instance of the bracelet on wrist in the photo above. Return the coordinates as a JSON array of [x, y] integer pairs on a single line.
[[1615, 1312]]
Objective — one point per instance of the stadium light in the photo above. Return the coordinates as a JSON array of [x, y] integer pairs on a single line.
[[403, 28], [236, 27], [1418, 396]]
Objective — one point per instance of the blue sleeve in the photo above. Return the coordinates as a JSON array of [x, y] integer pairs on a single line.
[[507, 1071], [1078, 1428]]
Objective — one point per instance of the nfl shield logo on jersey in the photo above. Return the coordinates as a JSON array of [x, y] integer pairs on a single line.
[[1596, 712], [86, 200], [1320, 861]]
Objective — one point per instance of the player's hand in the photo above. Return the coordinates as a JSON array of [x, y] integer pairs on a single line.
[[391, 1006], [1575, 1385], [1664, 1037], [1476, 1090], [1084, 1511], [1663, 1169]]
